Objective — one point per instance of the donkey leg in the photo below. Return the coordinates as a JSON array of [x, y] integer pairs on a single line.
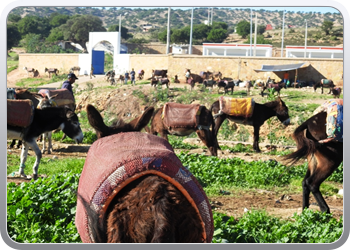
[[24, 155], [44, 136], [306, 190], [320, 169], [256, 139], [49, 138], [38, 154]]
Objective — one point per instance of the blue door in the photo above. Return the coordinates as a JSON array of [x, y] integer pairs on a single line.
[[98, 61]]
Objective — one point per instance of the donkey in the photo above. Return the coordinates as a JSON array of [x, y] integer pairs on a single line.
[[324, 83], [30, 70], [276, 86], [127, 195], [260, 113], [178, 124], [51, 71], [324, 155], [336, 92], [44, 120]]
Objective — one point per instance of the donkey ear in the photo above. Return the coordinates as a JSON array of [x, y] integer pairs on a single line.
[[53, 97], [69, 113], [95, 118], [141, 121], [38, 97]]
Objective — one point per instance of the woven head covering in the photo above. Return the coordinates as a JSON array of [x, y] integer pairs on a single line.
[[114, 161]]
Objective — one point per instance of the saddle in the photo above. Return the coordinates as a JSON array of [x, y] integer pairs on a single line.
[[20, 113], [115, 161], [334, 119], [237, 106], [325, 81], [176, 115], [64, 97]]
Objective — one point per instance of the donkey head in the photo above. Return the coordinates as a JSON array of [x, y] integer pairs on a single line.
[[102, 130], [71, 126], [282, 112]]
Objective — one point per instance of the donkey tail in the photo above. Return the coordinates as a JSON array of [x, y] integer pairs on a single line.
[[305, 146]]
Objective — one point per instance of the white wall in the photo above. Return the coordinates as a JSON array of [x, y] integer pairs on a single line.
[[121, 63], [84, 64]]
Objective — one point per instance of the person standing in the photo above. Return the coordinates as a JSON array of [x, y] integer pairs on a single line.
[[92, 72], [285, 77], [126, 77], [132, 74], [68, 83]]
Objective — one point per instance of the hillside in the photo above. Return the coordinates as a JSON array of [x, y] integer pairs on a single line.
[[133, 19]]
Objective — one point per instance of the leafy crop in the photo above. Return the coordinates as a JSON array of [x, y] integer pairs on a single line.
[[43, 211], [258, 227], [235, 172]]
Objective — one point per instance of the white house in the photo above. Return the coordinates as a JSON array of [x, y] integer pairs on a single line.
[[226, 49], [314, 52], [179, 49]]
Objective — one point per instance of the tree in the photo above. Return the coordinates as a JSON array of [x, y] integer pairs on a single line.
[[327, 26], [260, 29], [34, 25], [56, 34], [125, 31], [13, 36], [58, 20], [14, 18], [78, 27], [243, 28], [163, 35], [217, 35], [201, 31], [179, 36]]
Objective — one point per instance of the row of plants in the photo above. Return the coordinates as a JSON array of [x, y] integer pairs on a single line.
[[43, 211]]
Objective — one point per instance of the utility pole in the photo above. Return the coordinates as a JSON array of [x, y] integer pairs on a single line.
[[212, 10], [256, 32], [168, 33], [282, 34], [305, 38], [251, 30], [190, 48]]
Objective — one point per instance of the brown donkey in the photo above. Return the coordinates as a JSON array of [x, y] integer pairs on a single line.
[[320, 140], [184, 119], [133, 189]]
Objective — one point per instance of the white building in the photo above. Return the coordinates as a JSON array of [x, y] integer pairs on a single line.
[[314, 52], [226, 49], [179, 49]]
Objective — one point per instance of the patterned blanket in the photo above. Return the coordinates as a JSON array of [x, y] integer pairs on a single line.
[[334, 120], [237, 106], [115, 161]]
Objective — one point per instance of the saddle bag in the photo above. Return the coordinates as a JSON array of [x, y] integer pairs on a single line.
[[237, 106], [20, 113], [63, 98], [117, 160], [176, 115]]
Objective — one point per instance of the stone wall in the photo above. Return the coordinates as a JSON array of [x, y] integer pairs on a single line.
[[239, 67], [234, 67], [62, 62]]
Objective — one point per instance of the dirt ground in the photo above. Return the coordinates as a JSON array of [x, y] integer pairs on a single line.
[[123, 104]]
